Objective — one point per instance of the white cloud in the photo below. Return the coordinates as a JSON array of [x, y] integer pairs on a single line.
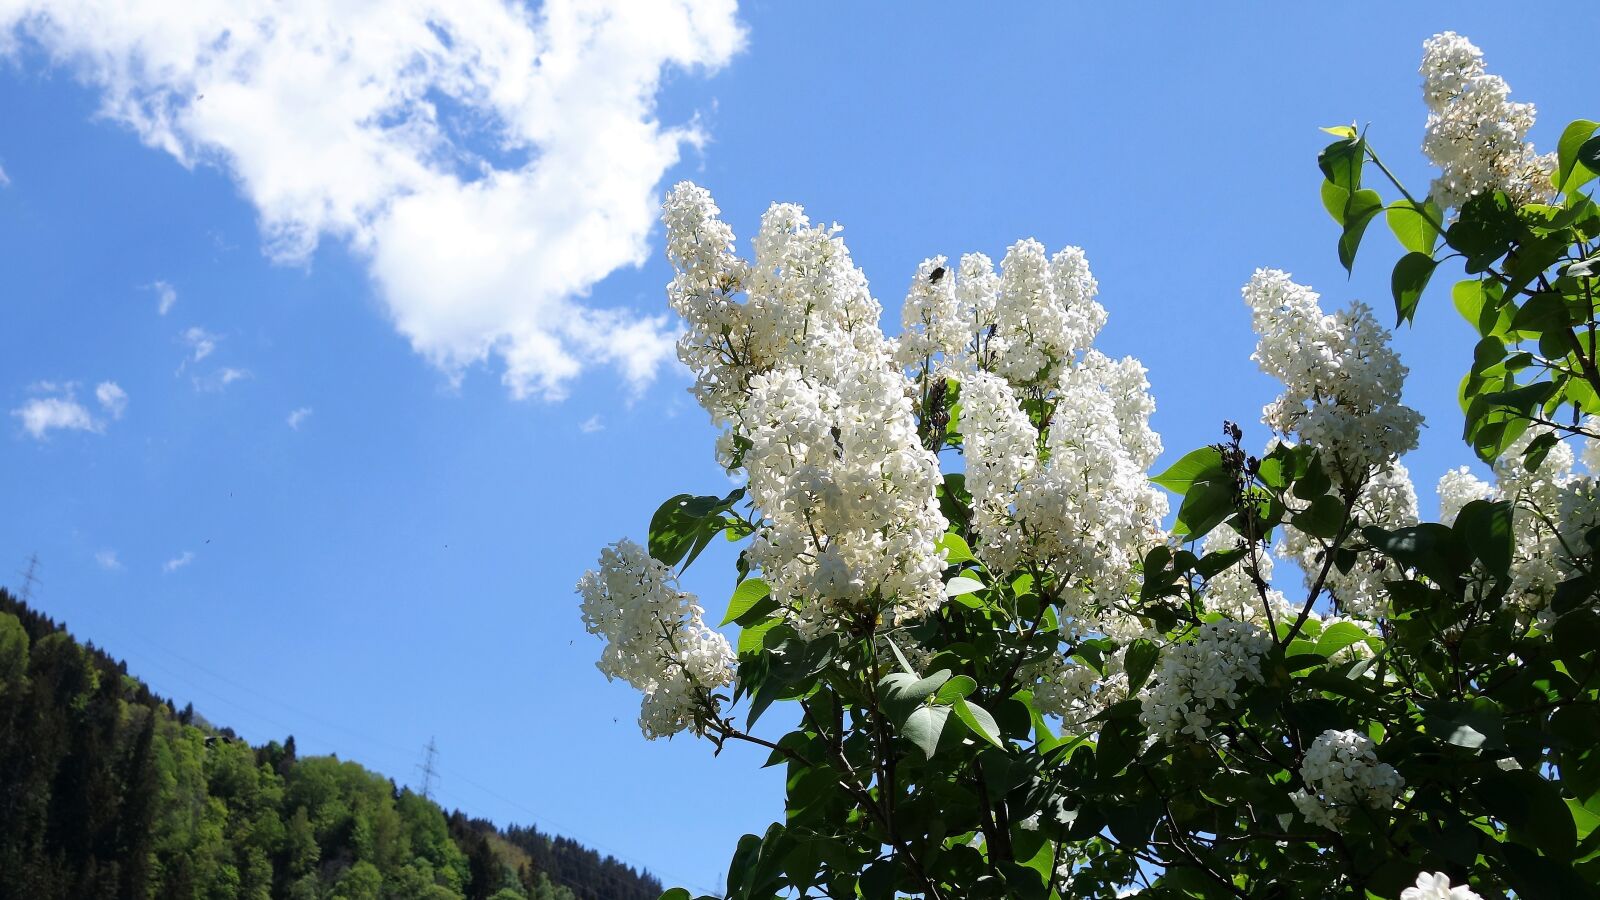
[[202, 343], [491, 163], [166, 296], [113, 399], [107, 559], [591, 424], [58, 410], [5, 180], [177, 562], [218, 381], [298, 416]]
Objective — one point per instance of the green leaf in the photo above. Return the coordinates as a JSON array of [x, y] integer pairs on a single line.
[[752, 636], [1587, 268], [1341, 161], [956, 550], [962, 584], [1313, 482], [1544, 311], [1340, 131], [1485, 526], [1138, 662], [1430, 548], [675, 894], [1532, 875], [1413, 225], [1022, 882], [978, 719], [1533, 809], [1334, 200], [956, 688], [1538, 449], [1589, 154], [744, 858], [1481, 306], [1408, 281], [1489, 352], [900, 656], [1338, 636], [1571, 173], [685, 524], [902, 694], [924, 726], [1195, 465], [1322, 519], [1484, 230], [1219, 561], [1523, 399], [1206, 505], [1131, 823], [1359, 212], [751, 602]]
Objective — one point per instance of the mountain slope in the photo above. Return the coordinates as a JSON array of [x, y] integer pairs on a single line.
[[109, 791]]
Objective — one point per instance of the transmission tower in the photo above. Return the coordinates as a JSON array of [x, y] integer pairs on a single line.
[[30, 578], [429, 754]]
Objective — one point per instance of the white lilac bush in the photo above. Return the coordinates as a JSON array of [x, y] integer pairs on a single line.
[[1013, 664]]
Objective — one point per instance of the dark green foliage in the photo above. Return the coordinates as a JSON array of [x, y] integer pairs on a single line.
[[108, 791], [561, 867]]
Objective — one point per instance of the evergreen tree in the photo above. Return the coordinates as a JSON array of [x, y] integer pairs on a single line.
[[108, 791]]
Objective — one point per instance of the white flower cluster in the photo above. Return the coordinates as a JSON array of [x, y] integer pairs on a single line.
[[932, 318], [1436, 886], [1457, 488], [1002, 450], [1341, 379], [1198, 676], [719, 345], [1089, 512], [1387, 500], [1075, 692], [1475, 134], [1552, 510], [1075, 499], [656, 640], [819, 415], [1044, 313], [1341, 770]]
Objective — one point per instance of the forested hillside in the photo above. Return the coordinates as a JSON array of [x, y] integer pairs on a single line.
[[109, 791]]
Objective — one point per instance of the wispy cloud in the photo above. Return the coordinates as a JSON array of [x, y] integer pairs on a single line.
[[201, 343], [491, 162], [177, 562], [107, 559], [591, 424], [298, 417], [56, 408], [113, 399], [5, 180], [166, 296], [42, 415], [217, 381]]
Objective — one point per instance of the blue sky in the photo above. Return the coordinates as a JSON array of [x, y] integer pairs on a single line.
[[395, 403]]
